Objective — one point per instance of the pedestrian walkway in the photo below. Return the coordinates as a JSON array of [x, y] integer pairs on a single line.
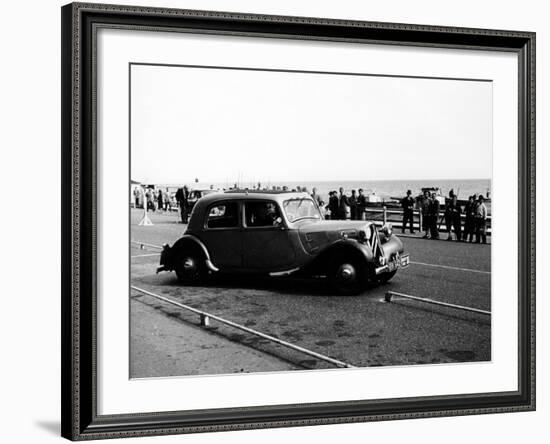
[[167, 346]]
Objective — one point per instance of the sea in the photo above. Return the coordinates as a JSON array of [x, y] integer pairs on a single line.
[[385, 189]]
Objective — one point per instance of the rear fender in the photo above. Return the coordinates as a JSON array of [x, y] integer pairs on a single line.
[[169, 255]]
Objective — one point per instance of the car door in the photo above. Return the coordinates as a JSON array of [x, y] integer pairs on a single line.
[[266, 241], [222, 234]]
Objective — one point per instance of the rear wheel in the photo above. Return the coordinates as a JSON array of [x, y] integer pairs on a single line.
[[190, 268], [347, 276]]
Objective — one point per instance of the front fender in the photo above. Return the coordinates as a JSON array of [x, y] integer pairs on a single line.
[[391, 245], [392, 249], [347, 247]]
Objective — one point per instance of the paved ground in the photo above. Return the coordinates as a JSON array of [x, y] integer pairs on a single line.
[[361, 330], [164, 345]]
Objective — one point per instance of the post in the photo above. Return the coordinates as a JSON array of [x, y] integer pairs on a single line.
[[385, 216], [145, 219], [419, 220], [205, 320]]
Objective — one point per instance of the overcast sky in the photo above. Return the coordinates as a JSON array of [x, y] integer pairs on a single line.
[[220, 125]]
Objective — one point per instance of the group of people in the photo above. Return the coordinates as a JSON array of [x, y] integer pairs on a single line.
[[155, 200], [340, 204], [475, 212]]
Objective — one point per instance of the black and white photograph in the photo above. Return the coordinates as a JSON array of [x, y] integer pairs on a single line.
[[286, 220]]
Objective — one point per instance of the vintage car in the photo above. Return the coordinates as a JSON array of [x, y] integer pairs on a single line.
[[281, 233]]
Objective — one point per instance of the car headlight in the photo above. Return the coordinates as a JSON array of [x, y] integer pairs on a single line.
[[387, 229]]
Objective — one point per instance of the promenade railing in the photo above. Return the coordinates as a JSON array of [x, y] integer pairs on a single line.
[[383, 215]]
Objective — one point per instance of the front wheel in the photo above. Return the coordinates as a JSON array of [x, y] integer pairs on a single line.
[[190, 268], [347, 277]]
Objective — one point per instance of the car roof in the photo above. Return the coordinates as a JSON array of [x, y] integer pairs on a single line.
[[204, 202], [278, 196]]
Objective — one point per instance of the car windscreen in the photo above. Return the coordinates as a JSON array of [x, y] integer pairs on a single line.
[[296, 209]]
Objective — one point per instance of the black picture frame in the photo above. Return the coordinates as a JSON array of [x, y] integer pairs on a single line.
[[79, 395]]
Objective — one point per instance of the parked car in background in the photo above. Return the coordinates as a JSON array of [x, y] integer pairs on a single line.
[[281, 233]]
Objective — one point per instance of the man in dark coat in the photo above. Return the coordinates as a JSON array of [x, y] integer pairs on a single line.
[[425, 208], [469, 224], [361, 205], [343, 205], [160, 200], [333, 205], [182, 196], [452, 217], [408, 212], [353, 205]]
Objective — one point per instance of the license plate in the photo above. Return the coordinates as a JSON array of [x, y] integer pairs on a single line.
[[404, 261]]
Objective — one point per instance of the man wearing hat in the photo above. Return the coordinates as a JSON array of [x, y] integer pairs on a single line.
[[408, 207], [481, 220]]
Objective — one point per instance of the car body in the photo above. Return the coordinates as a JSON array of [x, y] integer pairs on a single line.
[[281, 233]]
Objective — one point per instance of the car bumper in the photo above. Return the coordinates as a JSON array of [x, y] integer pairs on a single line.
[[398, 261]]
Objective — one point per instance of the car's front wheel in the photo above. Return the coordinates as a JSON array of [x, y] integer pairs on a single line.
[[190, 268], [347, 276]]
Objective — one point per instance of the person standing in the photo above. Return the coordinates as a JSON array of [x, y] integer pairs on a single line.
[[343, 205], [150, 199], [160, 200], [452, 218], [361, 205], [481, 220], [319, 201], [333, 205], [137, 193], [407, 203], [317, 198], [434, 216], [469, 224], [425, 208], [167, 200], [353, 205], [181, 198]]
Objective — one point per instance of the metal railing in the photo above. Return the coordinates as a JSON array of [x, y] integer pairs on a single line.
[[205, 318], [390, 294], [381, 216]]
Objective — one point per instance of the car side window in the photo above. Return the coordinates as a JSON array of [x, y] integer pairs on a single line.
[[261, 214], [223, 215]]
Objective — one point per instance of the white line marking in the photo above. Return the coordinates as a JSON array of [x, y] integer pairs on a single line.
[[451, 268], [146, 255]]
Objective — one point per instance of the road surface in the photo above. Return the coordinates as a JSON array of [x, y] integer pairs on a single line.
[[361, 330]]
